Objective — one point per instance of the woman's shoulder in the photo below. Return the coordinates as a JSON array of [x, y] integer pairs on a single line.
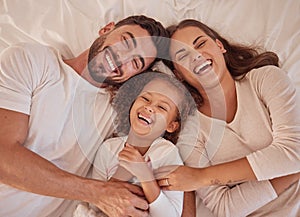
[[267, 79], [265, 71], [266, 75]]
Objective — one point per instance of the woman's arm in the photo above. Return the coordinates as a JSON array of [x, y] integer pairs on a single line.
[[279, 97], [243, 199], [184, 178]]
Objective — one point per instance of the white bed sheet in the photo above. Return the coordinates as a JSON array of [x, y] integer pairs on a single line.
[[71, 25]]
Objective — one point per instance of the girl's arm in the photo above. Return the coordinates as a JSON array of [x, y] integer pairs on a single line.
[[161, 203], [189, 204]]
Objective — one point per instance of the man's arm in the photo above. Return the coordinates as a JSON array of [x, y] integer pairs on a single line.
[[27, 171]]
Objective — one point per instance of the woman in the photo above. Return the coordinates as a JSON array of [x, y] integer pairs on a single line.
[[250, 127]]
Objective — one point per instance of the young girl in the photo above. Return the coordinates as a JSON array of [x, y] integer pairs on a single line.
[[149, 107]]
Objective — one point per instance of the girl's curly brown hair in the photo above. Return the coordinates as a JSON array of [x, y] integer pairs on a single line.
[[129, 91]]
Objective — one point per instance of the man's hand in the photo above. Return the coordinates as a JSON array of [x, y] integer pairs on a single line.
[[120, 199]]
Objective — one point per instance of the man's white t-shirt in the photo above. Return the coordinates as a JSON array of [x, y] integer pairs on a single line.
[[69, 119]]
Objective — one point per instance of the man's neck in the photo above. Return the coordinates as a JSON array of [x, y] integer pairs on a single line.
[[78, 63]]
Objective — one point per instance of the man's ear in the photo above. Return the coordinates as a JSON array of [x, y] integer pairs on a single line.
[[172, 126], [107, 28], [221, 46]]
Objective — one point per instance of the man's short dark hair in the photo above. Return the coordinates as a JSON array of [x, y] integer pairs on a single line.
[[154, 28]]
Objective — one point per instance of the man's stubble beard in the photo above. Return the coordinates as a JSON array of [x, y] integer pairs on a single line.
[[96, 72]]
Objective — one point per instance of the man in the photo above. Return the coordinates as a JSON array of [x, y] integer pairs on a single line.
[[53, 120]]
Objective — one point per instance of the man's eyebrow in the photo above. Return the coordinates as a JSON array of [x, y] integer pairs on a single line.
[[195, 41], [132, 37]]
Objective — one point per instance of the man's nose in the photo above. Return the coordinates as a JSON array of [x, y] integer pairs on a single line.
[[124, 57]]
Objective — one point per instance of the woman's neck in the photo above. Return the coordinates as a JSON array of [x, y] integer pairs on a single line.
[[220, 102]]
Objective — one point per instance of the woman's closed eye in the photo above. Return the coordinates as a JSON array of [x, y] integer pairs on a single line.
[[181, 57], [200, 44]]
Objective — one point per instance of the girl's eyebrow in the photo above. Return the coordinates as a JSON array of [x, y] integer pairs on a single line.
[[161, 100]]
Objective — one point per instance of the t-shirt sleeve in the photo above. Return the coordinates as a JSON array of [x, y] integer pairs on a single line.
[[168, 204], [282, 156], [21, 72], [105, 162]]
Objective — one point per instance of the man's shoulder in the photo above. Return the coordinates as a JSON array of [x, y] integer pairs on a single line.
[[29, 46], [29, 49]]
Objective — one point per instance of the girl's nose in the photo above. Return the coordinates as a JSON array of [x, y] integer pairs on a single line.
[[148, 108]]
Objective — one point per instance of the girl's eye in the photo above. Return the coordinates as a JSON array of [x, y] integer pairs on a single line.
[[162, 108], [145, 98]]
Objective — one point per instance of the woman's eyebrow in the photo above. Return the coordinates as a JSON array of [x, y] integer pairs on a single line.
[[195, 41], [179, 51]]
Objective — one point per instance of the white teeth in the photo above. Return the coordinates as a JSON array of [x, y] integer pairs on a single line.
[[110, 63], [202, 66], [148, 120]]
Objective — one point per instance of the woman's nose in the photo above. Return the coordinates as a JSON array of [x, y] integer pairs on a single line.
[[197, 56]]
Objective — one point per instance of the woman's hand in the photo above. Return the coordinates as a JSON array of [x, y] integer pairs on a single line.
[[179, 178]]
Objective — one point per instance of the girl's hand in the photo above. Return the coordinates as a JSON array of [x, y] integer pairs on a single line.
[[131, 159], [131, 154]]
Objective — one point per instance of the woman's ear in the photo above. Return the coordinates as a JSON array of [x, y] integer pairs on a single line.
[[221, 46], [107, 28], [172, 126]]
